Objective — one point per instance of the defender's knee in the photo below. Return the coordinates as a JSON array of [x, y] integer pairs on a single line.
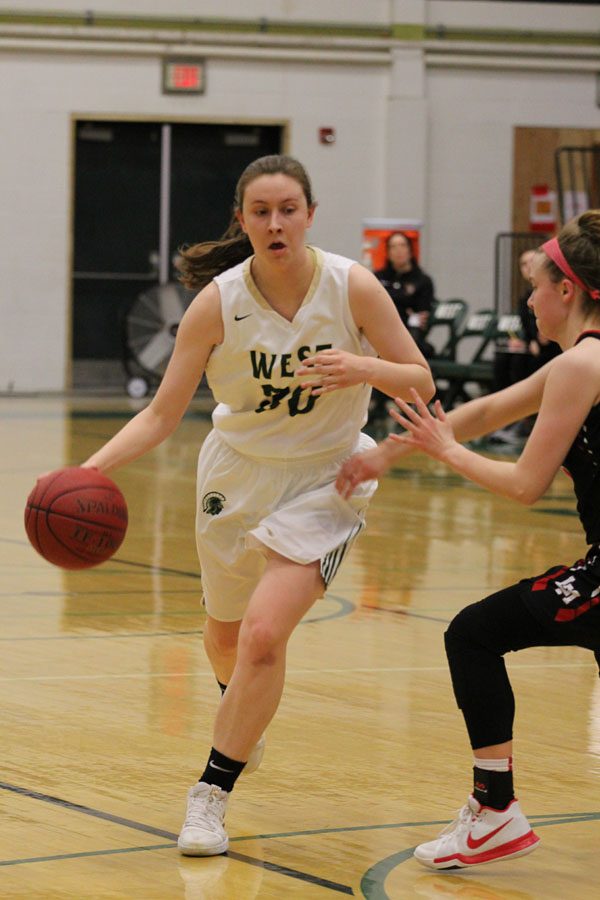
[[463, 629]]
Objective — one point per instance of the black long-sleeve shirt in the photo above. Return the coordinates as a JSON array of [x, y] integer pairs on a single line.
[[411, 291]]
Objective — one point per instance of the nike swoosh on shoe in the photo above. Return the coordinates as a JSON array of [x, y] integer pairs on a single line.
[[474, 843]]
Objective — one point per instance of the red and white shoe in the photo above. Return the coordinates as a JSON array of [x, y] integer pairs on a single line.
[[479, 835]]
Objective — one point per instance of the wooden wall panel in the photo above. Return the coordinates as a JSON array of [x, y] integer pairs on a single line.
[[533, 162]]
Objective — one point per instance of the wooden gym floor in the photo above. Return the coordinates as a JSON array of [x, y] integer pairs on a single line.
[[108, 700]]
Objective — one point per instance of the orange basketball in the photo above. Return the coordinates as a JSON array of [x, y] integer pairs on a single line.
[[76, 518]]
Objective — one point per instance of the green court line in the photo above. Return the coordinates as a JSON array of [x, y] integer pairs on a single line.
[[372, 882], [150, 829], [408, 613], [127, 593], [96, 614], [84, 853], [109, 567], [99, 637], [346, 607]]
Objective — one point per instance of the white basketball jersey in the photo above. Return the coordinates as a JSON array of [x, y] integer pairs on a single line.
[[262, 411]]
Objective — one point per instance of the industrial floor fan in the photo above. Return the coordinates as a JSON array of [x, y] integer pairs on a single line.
[[150, 328]]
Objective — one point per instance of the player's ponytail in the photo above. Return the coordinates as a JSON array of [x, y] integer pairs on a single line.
[[200, 263]]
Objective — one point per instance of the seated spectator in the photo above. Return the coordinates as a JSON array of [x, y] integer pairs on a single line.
[[412, 291], [408, 285]]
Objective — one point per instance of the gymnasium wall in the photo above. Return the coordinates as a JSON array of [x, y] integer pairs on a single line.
[[358, 11], [36, 181], [469, 181], [424, 130], [466, 14], [543, 15]]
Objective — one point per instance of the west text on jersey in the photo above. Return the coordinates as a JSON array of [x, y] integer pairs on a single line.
[[263, 364]]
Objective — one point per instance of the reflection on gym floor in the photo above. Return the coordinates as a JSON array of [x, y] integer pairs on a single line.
[[108, 698]]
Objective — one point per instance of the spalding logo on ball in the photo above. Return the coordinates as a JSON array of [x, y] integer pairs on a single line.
[[76, 518]]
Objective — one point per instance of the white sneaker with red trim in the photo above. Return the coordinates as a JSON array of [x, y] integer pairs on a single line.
[[479, 835]]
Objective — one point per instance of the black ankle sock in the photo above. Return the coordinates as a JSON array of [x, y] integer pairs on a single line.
[[493, 789], [222, 687], [221, 770]]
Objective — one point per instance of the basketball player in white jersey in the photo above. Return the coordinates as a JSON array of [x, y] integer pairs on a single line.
[[291, 339]]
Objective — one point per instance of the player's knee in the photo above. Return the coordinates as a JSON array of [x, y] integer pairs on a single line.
[[462, 630], [259, 642], [221, 638]]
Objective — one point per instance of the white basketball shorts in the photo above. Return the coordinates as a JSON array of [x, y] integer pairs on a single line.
[[290, 506]]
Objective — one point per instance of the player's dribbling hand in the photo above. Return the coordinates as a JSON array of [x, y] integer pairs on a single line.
[[430, 433], [44, 474]]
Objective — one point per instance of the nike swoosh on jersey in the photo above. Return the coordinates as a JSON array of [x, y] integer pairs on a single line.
[[239, 318], [474, 843]]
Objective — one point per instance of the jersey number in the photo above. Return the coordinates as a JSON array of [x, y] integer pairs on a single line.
[[274, 396]]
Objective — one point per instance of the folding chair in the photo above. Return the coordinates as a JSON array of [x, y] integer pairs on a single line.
[[454, 374], [448, 316]]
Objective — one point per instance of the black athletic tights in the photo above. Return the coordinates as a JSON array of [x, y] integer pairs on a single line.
[[476, 640]]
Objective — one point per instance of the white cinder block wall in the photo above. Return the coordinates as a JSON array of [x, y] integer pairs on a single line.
[[419, 134], [470, 162]]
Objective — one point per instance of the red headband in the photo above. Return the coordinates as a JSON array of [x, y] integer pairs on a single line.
[[552, 249]]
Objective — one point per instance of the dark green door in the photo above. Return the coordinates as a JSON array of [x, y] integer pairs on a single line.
[[142, 189]]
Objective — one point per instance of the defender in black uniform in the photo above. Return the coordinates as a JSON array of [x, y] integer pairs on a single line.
[[560, 607]]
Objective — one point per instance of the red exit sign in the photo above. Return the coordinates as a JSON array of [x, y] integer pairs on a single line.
[[183, 76]]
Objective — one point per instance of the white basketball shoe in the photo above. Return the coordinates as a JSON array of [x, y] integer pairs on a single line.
[[202, 833], [255, 757], [479, 835]]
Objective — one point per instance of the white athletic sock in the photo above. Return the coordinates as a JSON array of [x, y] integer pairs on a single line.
[[494, 765]]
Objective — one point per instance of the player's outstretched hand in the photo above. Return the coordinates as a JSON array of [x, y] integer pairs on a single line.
[[332, 369], [430, 433]]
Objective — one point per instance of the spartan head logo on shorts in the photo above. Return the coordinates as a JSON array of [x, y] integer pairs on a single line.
[[213, 502]]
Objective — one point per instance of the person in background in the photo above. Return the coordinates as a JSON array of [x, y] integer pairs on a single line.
[[412, 292], [511, 356], [559, 607]]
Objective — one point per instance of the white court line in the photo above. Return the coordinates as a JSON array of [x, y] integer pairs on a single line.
[[369, 671]]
